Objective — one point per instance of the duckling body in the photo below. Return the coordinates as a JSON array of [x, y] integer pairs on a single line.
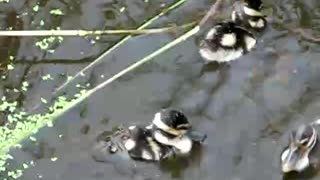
[[229, 40], [248, 14], [303, 149], [141, 145], [226, 41]]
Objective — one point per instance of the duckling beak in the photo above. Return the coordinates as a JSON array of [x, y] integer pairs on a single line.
[[293, 159], [196, 136]]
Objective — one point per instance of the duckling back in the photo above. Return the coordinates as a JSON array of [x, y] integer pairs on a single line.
[[141, 145]]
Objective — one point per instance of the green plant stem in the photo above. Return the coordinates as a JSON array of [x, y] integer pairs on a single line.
[[91, 33], [100, 58], [135, 65]]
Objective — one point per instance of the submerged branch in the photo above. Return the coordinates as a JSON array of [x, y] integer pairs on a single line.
[[305, 34]]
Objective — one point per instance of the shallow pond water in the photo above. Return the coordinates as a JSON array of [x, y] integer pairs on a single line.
[[246, 108]]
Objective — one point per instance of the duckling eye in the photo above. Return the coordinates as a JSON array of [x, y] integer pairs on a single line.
[[305, 142], [124, 137]]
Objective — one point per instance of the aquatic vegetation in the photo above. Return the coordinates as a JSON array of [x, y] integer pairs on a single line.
[[21, 125]]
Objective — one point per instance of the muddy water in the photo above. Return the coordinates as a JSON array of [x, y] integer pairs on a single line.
[[246, 108]]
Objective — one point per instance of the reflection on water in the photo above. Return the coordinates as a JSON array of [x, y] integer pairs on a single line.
[[246, 108]]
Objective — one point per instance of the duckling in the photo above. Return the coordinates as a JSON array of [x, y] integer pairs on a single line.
[[134, 142], [168, 135], [172, 128], [248, 14], [226, 41], [301, 151]]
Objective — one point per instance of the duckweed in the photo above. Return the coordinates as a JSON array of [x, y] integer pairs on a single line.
[[36, 8], [56, 12], [21, 125], [47, 77], [10, 67]]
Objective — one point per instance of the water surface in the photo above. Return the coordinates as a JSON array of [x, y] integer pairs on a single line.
[[246, 108]]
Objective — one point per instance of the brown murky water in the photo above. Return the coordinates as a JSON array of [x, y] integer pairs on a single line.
[[246, 108]]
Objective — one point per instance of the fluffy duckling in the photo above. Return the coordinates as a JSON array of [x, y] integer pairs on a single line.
[[168, 135], [248, 13], [226, 41], [302, 150], [172, 128]]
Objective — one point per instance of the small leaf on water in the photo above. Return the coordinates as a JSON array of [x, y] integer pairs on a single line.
[[54, 159], [25, 166], [36, 8], [69, 78], [9, 156], [10, 67], [32, 163], [49, 124], [18, 146], [32, 138], [44, 100], [41, 22], [25, 84], [122, 9], [56, 12]]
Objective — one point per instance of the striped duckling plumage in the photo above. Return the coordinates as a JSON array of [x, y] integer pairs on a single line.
[[167, 136], [225, 42], [173, 129], [142, 146], [302, 150]]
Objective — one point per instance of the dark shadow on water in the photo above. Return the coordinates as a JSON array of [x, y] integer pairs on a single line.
[[211, 67], [176, 166], [307, 174]]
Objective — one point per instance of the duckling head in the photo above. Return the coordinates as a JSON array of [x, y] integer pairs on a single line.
[[172, 128], [248, 13], [254, 4], [295, 157]]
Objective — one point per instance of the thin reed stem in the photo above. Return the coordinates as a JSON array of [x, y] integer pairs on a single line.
[[91, 33], [100, 58]]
